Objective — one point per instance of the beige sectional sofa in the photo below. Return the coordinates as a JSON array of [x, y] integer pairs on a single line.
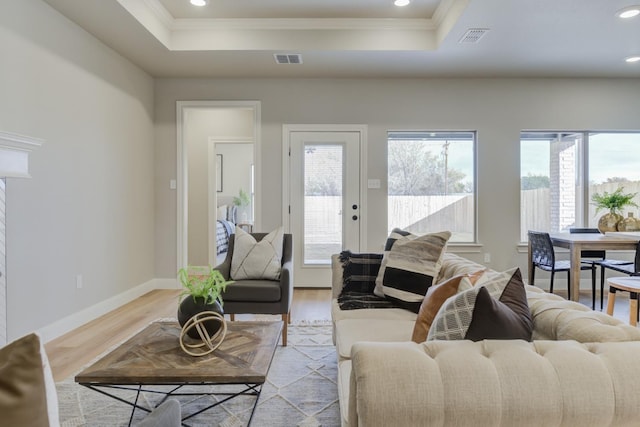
[[581, 369]]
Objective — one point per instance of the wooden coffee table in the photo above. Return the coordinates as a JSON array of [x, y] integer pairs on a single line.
[[153, 357]]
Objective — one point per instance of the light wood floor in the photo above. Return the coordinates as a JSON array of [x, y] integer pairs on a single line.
[[70, 352]]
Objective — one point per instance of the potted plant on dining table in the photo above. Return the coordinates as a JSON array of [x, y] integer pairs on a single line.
[[614, 203]]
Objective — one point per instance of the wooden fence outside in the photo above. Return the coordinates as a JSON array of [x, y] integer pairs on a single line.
[[422, 214]]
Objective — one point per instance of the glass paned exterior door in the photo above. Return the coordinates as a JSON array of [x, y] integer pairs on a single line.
[[324, 201]]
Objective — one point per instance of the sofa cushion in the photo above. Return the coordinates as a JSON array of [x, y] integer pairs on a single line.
[[495, 309], [411, 268], [252, 290], [257, 260], [435, 298], [370, 313], [27, 391], [350, 331]]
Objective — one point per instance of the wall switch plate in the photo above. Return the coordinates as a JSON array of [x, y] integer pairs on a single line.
[[173, 184], [487, 257], [373, 183], [79, 281]]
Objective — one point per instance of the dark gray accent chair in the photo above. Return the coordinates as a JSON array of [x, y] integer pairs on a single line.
[[261, 296]]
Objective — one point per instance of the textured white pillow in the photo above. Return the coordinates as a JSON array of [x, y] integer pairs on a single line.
[[221, 212], [257, 260]]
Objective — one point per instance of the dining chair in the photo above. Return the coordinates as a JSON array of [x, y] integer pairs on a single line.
[[596, 257], [631, 268], [543, 257]]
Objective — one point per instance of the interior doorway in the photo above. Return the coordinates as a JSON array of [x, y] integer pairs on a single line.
[[325, 202], [218, 145]]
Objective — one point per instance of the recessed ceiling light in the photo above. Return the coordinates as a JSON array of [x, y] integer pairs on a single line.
[[633, 59], [199, 2], [628, 12], [401, 2]]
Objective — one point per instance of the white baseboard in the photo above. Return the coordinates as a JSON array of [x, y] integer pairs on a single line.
[[78, 319]]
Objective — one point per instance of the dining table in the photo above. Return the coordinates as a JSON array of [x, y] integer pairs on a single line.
[[578, 242]]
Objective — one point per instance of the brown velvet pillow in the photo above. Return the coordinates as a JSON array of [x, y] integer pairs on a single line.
[[507, 317], [495, 309], [23, 400], [436, 296]]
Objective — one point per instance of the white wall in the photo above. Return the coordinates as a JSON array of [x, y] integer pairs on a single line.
[[497, 108], [89, 207]]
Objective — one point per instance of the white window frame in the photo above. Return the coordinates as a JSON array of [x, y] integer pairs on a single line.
[[582, 169]]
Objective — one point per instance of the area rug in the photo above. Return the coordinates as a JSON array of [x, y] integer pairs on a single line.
[[301, 390]]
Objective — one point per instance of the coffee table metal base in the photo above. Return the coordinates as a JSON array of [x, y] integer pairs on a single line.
[[249, 390]]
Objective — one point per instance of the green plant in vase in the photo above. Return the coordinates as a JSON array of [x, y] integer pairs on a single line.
[[242, 201], [614, 203], [202, 292]]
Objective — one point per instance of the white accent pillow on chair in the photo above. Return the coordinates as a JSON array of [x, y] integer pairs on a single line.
[[257, 260]]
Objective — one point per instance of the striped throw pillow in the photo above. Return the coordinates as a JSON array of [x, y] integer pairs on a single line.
[[412, 267], [396, 234]]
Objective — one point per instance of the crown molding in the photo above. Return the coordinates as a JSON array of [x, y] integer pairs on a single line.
[[14, 154], [160, 12], [303, 24], [179, 34]]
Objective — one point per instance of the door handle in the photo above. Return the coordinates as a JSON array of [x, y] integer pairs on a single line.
[[354, 207], [355, 217]]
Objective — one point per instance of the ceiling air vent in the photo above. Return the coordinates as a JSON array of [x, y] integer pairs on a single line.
[[282, 58], [473, 35]]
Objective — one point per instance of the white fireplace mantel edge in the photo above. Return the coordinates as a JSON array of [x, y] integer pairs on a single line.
[[14, 154], [14, 163]]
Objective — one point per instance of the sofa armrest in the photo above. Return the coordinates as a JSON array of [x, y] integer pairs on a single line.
[[492, 383], [393, 384], [336, 276]]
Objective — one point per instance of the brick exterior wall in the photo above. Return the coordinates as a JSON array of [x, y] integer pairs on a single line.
[[563, 184]]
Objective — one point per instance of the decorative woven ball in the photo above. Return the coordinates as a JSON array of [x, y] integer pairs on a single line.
[[206, 343]]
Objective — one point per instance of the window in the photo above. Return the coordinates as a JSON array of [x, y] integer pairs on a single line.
[[431, 183], [560, 171]]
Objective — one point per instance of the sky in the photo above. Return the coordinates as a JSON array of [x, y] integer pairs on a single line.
[[460, 157], [609, 155]]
